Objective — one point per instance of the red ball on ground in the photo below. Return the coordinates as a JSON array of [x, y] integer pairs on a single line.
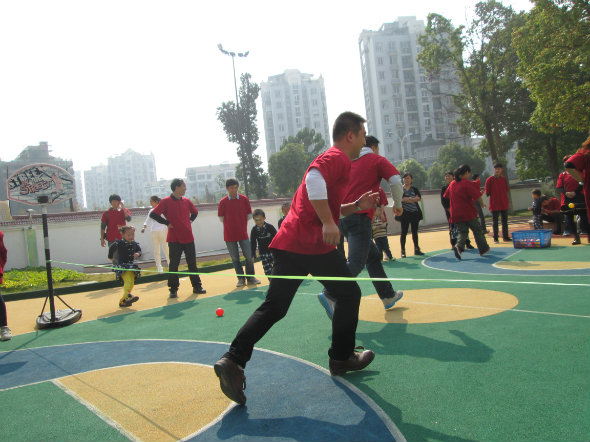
[[219, 312]]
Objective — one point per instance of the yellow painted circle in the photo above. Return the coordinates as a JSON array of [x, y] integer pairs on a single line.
[[437, 305], [155, 401], [542, 265]]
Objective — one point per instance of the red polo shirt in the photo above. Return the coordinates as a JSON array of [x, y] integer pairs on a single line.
[[114, 219], [462, 194], [366, 173], [552, 206], [235, 213], [301, 231], [568, 183], [178, 213], [497, 190], [581, 162]]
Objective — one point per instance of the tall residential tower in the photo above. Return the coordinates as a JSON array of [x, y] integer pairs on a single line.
[[290, 102]]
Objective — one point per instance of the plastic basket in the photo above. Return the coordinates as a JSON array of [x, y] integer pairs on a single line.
[[531, 238]]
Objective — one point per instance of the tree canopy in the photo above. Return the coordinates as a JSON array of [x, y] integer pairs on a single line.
[[419, 177], [241, 128], [287, 167]]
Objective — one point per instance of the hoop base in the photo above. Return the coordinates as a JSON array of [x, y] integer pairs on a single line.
[[62, 318]]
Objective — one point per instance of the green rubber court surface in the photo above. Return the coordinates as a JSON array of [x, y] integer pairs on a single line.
[[469, 354]]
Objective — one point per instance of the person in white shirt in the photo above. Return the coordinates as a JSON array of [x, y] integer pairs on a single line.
[[159, 233]]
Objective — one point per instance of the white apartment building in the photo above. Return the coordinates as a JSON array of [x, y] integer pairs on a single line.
[[126, 174], [208, 180], [410, 114], [292, 101]]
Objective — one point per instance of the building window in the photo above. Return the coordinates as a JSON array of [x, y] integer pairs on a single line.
[[383, 90], [380, 61], [381, 75], [389, 147], [386, 119]]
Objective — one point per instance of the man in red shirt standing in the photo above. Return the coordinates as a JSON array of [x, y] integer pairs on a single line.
[[496, 189], [234, 211], [306, 243], [179, 213], [112, 220]]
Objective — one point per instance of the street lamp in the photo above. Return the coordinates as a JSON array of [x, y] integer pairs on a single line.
[[401, 144], [244, 162]]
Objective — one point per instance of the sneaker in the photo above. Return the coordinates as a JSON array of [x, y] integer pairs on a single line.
[[327, 303], [125, 303], [241, 282], [5, 334], [508, 238], [357, 361], [418, 252], [566, 233], [231, 379], [458, 252], [199, 290], [390, 302], [173, 293], [496, 241], [469, 246], [160, 269], [253, 280], [486, 250], [403, 254]]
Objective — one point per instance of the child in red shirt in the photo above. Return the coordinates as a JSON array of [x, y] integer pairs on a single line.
[[462, 195]]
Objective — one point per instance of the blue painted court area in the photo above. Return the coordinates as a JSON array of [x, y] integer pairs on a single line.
[[291, 399], [473, 263]]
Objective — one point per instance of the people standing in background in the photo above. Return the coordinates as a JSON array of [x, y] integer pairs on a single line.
[[284, 210], [234, 211], [411, 215], [260, 237], [496, 189], [159, 234]]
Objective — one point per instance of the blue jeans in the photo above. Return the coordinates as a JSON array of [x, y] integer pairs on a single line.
[[234, 253], [363, 251]]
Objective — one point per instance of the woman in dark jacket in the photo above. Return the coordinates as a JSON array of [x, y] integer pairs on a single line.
[[411, 215]]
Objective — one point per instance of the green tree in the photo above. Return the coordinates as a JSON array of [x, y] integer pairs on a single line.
[[241, 128], [287, 167], [492, 101], [313, 142], [453, 155], [436, 175], [419, 177], [553, 47]]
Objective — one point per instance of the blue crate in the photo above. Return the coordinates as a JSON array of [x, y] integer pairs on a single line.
[[531, 238]]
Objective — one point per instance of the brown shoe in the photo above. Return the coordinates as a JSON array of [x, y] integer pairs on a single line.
[[356, 361], [231, 379]]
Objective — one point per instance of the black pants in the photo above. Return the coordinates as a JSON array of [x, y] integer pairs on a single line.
[[412, 222], [347, 295], [190, 255], [556, 220], [504, 215], [3, 318]]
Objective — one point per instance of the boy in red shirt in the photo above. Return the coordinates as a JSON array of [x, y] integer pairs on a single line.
[[306, 243], [112, 220], [179, 213], [234, 211], [496, 189], [462, 194]]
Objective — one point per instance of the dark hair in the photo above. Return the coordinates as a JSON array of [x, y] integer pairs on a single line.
[[155, 198], [498, 165], [408, 174], [462, 169], [474, 176], [371, 141], [258, 212], [346, 122], [114, 197], [231, 182], [123, 229], [286, 204], [176, 182], [450, 172], [536, 192]]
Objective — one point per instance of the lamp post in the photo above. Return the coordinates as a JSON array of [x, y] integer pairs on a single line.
[[401, 143], [240, 135]]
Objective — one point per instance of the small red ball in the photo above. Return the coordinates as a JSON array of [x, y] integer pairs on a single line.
[[219, 312]]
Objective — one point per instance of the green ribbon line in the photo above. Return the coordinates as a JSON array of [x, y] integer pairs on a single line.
[[334, 278]]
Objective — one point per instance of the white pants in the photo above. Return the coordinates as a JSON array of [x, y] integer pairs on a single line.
[[159, 239]]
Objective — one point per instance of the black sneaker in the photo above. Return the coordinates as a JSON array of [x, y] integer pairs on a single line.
[[418, 252], [508, 238], [356, 361], [484, 251], [199, 290], [469, 246], [458, 252], [173, 294], [231, 379]]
